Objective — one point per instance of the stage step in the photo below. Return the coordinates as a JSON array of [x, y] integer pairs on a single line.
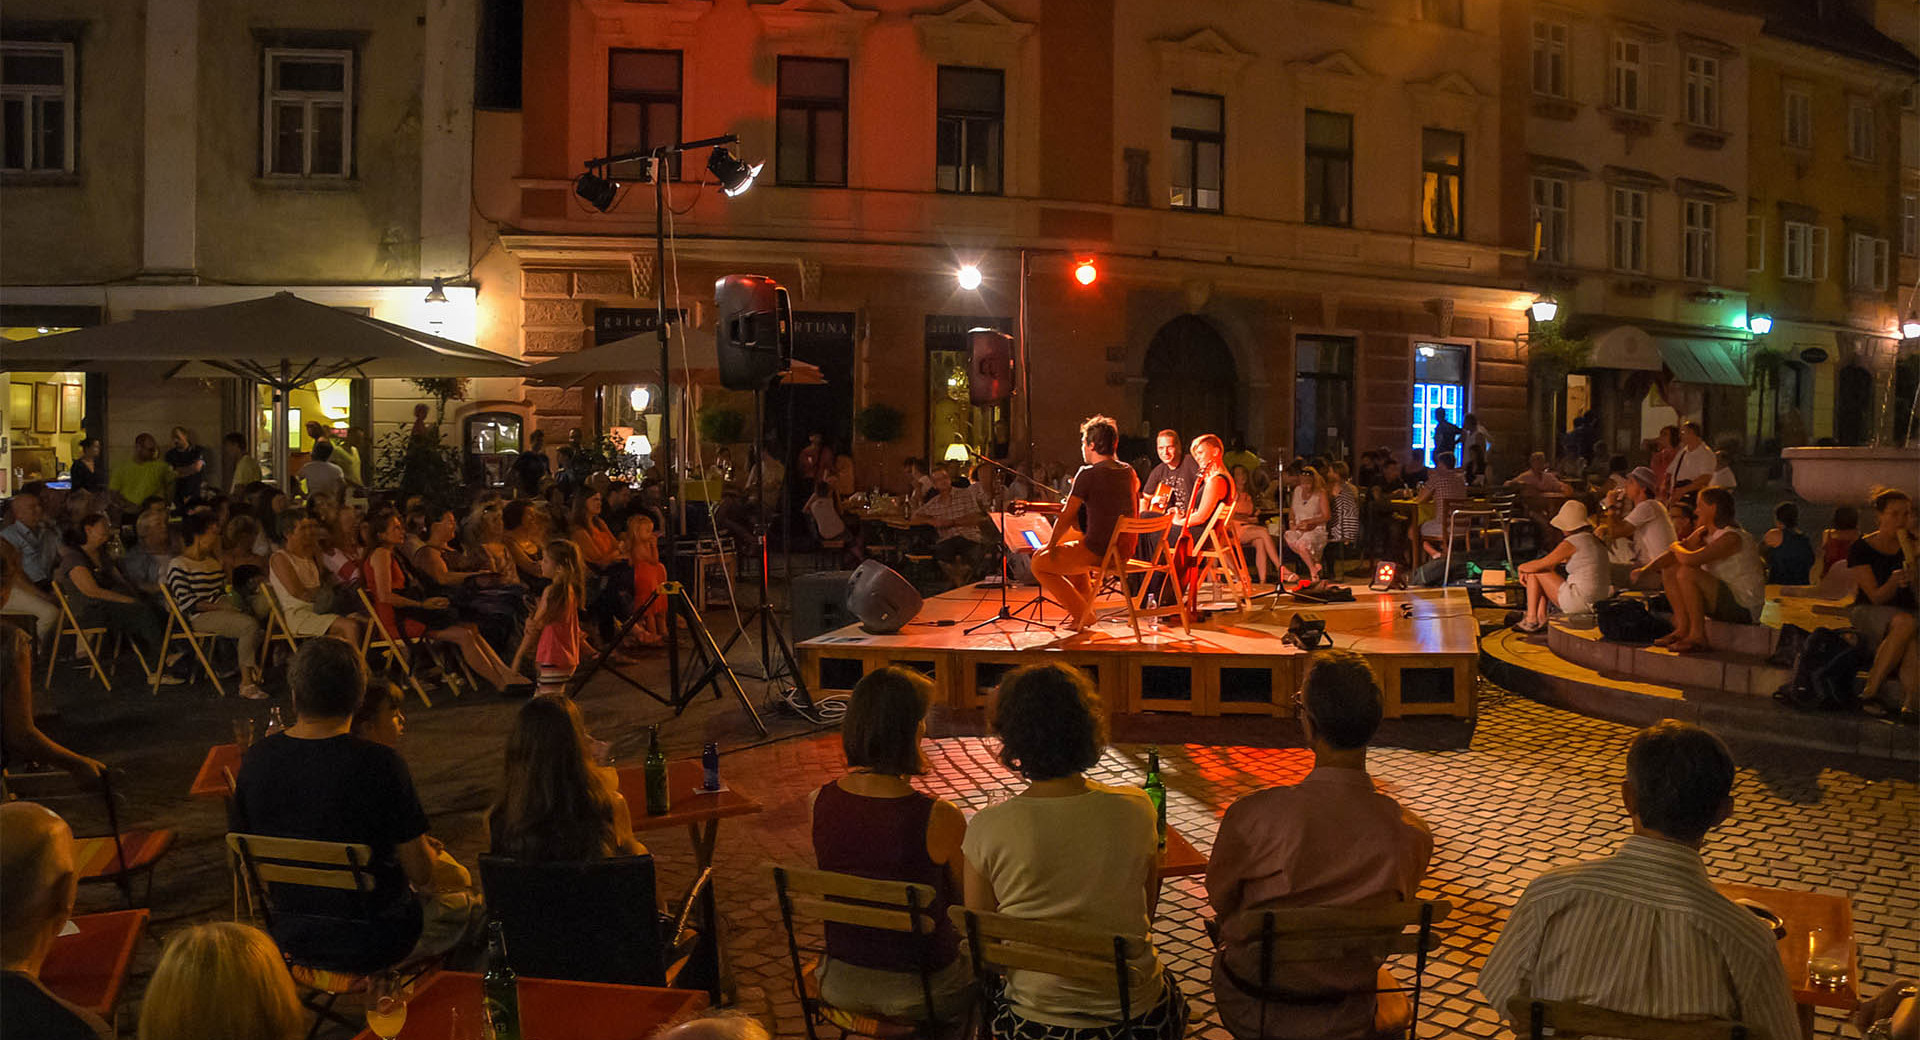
[[1531, 668], [1737, 664]]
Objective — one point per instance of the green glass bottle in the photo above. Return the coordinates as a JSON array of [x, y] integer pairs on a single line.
[[499, 989], [1157, 792], [658, 802]]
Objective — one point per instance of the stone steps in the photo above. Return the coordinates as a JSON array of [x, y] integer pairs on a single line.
[[1735, 664]]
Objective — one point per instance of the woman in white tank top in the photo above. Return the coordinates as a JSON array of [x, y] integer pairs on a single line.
[[1715, 573], [1585, 558]]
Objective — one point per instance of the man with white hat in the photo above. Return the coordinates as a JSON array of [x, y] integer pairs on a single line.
[[1646, 522], [1585, 583]]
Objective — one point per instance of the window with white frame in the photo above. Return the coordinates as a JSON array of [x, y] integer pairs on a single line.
[[1550, 217], [1910, 225], [1867, 263], [1628, 250], [1796, 107], [307, 117], [1550, 59], [1699, 241], [1703, 90], [1756, 243], [1629, 74], [1804, 256], [1860, 128], [36, 106]]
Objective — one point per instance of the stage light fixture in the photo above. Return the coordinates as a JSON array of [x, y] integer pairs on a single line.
[[735, 176], [1085, 272], [595, 190], [1759, 324], [1386, 577], [437, 294], [968, 276], [1543, 308], [1910, 328], [1307, 631]]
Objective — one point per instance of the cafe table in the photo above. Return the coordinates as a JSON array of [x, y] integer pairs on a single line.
[[1801, 911], [1180, 858], [549, 1009], [211, 781], [88, 967]]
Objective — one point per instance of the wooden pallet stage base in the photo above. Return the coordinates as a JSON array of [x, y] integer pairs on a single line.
[[1424, 644]]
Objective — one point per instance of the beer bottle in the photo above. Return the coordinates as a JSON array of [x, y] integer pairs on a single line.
[[658, 802], [499, 989], [1157, 793]]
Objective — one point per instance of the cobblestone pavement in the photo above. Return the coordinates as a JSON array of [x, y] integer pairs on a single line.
[[1538, 787]]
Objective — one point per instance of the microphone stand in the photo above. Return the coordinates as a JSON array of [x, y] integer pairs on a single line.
[[1003, 614]]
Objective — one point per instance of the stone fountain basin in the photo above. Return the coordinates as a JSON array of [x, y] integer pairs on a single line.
[[1841, 476]]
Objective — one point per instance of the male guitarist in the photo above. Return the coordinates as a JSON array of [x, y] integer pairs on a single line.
[[1170, 485], [1104, 491]]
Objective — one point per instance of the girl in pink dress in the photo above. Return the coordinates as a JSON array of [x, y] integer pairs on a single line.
[[553, 632]]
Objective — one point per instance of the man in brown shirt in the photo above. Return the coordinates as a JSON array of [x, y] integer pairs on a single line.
[[1329, 840]]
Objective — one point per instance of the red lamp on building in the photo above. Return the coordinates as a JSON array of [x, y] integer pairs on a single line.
[[1085, 272]]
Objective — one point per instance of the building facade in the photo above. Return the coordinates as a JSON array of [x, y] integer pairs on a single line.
[[163, 154], [1824, 224], [1293, 224]]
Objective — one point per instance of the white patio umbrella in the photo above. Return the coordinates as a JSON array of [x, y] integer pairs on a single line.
[[281, 340]]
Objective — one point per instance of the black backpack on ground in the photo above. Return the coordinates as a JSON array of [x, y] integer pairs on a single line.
[[1824, 671], [1626, 619]]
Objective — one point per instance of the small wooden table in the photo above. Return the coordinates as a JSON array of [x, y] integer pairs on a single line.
[[1802, 911], [88, 968], [549, 1009], [699, 811], [211, 781], [1180, 858]]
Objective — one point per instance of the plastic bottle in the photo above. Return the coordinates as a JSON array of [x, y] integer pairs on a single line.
[[710, 767]]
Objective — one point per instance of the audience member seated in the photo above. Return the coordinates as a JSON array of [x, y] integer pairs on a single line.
[[1585, 583], [221, 981], [1329, 840], [1307, 528], [19, 592], [716, 1025], [1882, 564], [380, 717], [1642, 520], [1070, 851], [100, 593], [642, 547], [38, 882], [495, 610], [1837, 541], [873, 823], [1535, 484], [1892, 1014], [526, 541], [1789, 550], [152, 550], [555, 804], [317, 781], [198, 584], [1715, 572], [1694, 463], [1344, 528], [1447, 490], [35, 536], [600, 551], [485, 538], [320, 476], [410, 612], [1252, 533], [955, 517], [20, 737], [298, 581], [1643, 932]]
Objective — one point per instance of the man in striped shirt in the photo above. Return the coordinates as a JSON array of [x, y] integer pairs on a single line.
[[198, 584], [1644, 932]]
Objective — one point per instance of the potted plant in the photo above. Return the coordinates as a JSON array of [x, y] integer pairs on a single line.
[[879, 423]]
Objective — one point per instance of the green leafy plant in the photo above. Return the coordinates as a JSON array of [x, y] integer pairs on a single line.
[[879, 423], [1763, 368], [442, 390], [418, 465], [719, 424], [604, 456], [1552, 353]]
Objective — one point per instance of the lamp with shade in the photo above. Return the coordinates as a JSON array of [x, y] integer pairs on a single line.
[[956, 452]]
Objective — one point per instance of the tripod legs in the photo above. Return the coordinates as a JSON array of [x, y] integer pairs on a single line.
[[713, 661]]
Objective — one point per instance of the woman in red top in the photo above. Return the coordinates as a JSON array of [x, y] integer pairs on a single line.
[[643, 552], [389, 587], [873, 823], [600, 550]]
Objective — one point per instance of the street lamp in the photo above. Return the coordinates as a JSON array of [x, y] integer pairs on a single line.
[[968, 276], [1910, 328], [1759, 324], [1543, 308]]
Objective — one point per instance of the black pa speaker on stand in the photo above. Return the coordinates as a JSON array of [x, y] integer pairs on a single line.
[[751, 330]]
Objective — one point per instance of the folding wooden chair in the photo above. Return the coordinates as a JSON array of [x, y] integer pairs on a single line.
[[89, 642], [1118, 569], [276, 626], [997, 942], [268, 865], [1216, 552], [115, 857], [893, 906], [1533, 1018], [1261, 939], [398, 651], [195, 640]]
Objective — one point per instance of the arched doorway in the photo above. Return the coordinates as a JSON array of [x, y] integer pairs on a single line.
[[1853, 406], [1192, 382]]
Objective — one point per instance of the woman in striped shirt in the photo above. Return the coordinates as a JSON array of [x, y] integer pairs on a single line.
[[198, 584]]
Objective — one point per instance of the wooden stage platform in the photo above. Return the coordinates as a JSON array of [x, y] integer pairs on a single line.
[[1424, 644]]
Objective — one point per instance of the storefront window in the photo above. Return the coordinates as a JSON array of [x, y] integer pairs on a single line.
[[494, 439], [45, 417]]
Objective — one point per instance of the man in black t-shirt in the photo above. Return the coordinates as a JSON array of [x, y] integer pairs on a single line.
[[37, 885], [319, 782], [189, 462], [1169, 487]]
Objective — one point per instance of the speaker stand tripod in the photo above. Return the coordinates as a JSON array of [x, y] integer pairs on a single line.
[[680, 609]]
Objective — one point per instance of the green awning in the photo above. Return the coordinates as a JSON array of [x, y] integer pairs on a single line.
[[1702, 361]]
